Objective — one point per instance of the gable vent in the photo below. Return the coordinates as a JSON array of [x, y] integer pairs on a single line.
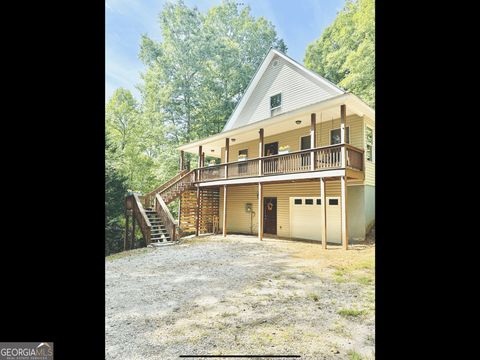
[[274, 63]]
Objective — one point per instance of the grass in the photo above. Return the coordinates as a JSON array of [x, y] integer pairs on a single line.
[[313, 296], [353, 355], [128, 253], [365, 280], [351, 312]]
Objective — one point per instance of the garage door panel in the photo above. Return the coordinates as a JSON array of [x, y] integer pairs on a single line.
[[306, 218]]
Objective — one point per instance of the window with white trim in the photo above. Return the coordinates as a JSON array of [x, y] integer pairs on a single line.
[[275, 104], [369, 144], [335, 136]]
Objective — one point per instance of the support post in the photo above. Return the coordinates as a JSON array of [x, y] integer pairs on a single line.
[[197, 213], [227, 155], [182, 161], [344, 213], [260, 211], [313, 139], [133, 233], [127, 216], [203, 159], [260, 152], [224, 210], [323, 222], [343, 119], [200, 156]]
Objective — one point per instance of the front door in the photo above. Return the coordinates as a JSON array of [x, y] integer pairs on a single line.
[[270, 215]]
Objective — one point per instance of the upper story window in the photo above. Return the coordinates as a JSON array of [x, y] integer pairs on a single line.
[[335, 136], [275, 104], [369, 144]]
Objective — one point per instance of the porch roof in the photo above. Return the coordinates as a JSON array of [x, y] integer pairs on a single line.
[[325, 110]]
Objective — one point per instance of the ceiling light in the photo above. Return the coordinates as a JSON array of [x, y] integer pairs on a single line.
[[233, 139], [298, 122]]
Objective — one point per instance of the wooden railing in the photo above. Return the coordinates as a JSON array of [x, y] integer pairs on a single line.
[[184, 182], [354, 157], [148, 199], [326, 157], [164, 213], [139, 214]]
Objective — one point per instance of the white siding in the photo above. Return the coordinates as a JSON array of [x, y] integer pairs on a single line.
[[298, 89]]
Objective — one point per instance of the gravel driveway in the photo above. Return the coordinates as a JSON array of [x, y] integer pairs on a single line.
[[236, 295]]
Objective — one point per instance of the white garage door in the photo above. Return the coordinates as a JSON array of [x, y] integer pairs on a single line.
[[306, 218]]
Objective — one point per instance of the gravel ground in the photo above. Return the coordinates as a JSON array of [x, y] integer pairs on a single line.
[[236, 295]]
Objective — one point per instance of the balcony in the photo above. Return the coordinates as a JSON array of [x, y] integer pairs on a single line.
[[298, 162]]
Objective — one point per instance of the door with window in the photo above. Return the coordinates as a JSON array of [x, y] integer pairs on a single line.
[[270, 215], [270, 166], [305, 144]]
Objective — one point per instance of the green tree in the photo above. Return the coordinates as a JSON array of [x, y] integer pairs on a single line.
[[115, 190], [345, 52], [128, 130], [196, 75]]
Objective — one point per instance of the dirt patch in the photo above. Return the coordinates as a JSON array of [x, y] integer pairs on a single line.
[[236, 295]]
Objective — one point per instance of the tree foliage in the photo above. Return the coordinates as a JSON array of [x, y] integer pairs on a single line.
[[192, 81], [115, 189], [345, 52]]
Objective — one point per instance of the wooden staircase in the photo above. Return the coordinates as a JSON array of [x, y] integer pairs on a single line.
[[159, 231], [151, 213]]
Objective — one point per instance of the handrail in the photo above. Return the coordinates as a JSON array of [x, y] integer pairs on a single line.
[[306, 151], [176, 182], [141, 216], [148, 197], [314, 159], [164, 213], [354, 148]]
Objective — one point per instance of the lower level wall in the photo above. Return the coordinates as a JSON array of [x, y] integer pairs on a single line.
[[369, 206], [239, 220], [356, 212]]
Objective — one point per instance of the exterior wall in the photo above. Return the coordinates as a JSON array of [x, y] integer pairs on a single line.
[[240, 221], [298, 89], [369, 165], [292, 137], [356, 212], [369, 206]]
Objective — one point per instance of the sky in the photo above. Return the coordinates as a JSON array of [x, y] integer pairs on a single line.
[[298, 22]]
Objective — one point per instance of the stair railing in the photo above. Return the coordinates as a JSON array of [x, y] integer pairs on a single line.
[[138, 213], [164, 213], [150, 197], [183, 182]]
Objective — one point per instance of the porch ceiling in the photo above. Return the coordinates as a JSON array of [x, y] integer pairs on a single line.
[[326, 111]]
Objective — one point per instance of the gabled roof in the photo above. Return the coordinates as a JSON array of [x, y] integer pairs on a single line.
[[258, 75]]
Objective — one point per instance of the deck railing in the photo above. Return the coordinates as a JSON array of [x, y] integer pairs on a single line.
[[324, 158]]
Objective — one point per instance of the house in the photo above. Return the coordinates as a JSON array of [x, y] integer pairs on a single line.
[[295, 160]]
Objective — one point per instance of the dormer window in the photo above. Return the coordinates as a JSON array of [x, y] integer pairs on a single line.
[[275, 104]]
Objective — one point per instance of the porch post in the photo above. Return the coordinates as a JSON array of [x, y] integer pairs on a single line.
[[197, 213], [344, 212], [313, 139], [227, 155], [323, 206], [200, 156], [182, 160], [343, 119], [203, 159], [224, 210], [260, 152], [133, 234], [260, 211], [127, 216]]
